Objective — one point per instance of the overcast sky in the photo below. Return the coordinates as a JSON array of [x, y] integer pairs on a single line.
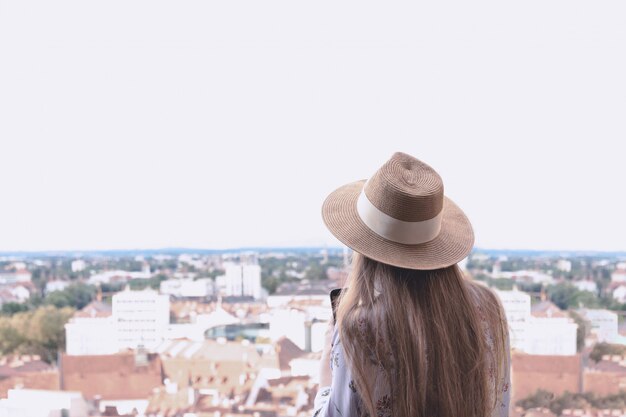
[[147, 124]]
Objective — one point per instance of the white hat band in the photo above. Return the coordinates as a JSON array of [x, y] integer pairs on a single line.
[[400, 231]]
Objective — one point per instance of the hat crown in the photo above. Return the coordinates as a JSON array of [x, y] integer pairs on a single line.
[[406, 189]]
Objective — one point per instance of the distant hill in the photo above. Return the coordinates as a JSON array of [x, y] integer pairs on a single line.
[[296, 249]]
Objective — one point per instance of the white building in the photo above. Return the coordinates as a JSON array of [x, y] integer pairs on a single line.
[[20, 293], [619, 275], [585, 285], [188, 287], [619, 293], [240, 281], [603, 324], [141, 318], [56, 285], [12, 277], [564, 265], [136, 318], [91, 331], [120, 275], [299, 326], [38, 403], [78, 265], [517, 308], [307, 365], [200, 324], [550, 335], [535, 277]]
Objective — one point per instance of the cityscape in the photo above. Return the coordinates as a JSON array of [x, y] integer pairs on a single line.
[[193, 333]]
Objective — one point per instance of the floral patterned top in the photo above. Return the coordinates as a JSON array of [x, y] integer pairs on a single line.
[[342, 400]]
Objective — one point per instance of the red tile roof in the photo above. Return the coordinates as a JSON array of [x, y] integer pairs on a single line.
[[287, 351], [94, 309], [555, 374], [112, 377], [46, 380], [547, 309]]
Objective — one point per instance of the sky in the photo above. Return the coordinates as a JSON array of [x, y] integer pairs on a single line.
[[150, 124]]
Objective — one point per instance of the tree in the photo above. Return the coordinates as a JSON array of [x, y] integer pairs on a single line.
[[581, 331], [40, 332], [141, 283], [569, 400], [46, 334], [75, 295], [315, 272], [566, 295], [540, 399], [602, 349], [545, 399], [10, 338], [10, 308]]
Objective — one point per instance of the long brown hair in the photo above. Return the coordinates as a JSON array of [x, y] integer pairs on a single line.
[[427, 331]]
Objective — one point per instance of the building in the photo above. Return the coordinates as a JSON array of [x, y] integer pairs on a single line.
[[607, 377], [517, 309], [525, 276], [302, 292], [188, 288], [91, 331], [619, 293], [586, 285], [564, 265], [553, 373], [240, 280], [17, 292], [141, 318], [619, 275], [603, 324], [12, 277], [218, 368], [197, 328], [123, 381], [26, 371], [541, 330], [78, 265], [37, 403], [106, 277], [300, 326], [56, 285], [552, 336]]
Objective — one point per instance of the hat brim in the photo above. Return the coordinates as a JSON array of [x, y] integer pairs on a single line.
[[453, 243]]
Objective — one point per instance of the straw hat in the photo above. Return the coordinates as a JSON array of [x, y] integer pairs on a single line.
[[400, 217]]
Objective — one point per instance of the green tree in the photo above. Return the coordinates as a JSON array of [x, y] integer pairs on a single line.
[[10, 338], [581, 331], [567, 296], [154, 282], [40, 332], [10, 308], [47, 331], [540, 399], [314, 272], [613, 402], [602, 349], [75, 295], [568, 400]]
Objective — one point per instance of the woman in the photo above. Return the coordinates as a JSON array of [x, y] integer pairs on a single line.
[[413, 337]]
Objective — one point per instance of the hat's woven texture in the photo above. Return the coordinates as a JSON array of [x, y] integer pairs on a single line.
[[406, 189], [409, 190]]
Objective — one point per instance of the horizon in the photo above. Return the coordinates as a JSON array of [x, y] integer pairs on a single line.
[[262, 249]]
